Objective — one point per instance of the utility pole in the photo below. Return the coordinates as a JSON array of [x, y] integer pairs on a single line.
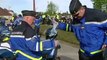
[[34, 5]]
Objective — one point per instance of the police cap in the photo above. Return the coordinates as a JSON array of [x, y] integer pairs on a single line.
[[28, 13], [74, 6]]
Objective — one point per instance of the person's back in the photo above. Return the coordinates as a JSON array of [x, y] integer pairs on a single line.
[[25, 42], [19, 42]]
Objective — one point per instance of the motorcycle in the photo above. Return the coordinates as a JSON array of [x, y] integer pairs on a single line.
[[51, 34]]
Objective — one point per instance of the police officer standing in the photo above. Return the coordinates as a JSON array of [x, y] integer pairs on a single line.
[[25, 42], [89, 26]]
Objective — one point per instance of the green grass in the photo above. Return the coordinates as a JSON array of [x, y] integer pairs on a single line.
[[62, 35]]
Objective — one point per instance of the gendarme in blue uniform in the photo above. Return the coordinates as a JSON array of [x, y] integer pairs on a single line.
[[90, 31], [28, 46]]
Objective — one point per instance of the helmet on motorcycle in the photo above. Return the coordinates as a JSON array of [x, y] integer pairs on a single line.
[[51, 33]]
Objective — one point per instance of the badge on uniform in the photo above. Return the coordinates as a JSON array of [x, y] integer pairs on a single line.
[[82, 27]]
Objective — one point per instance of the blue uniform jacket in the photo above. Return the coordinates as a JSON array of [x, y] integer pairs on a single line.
[[38, 22], [62, 26], [23, 38], [90, 30]]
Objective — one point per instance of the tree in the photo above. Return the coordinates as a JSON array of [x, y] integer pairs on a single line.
[[100, 4], [51, 8]]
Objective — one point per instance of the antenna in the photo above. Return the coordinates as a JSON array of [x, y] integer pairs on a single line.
[[34, 5]]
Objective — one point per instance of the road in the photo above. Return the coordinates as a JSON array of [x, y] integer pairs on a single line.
[[67, 52]]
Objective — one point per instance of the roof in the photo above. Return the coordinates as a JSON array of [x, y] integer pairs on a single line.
[[4, 12]]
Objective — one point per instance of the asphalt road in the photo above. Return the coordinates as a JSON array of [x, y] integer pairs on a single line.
[[67, 52]]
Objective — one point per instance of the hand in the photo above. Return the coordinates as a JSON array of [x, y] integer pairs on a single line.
[[104, 46], [56, 43]]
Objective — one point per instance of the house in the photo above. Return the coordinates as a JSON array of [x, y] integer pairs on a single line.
[[4, 12]]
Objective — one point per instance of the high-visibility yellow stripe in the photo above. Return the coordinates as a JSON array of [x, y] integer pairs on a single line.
[[62, 21], [58, 17], [12, 18], [67, 27], [30, 57], [94, 52], [6, 39], [82, 50], [43, 16], [41, 46]]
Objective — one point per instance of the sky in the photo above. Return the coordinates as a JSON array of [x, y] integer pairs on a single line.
[[41, 5]]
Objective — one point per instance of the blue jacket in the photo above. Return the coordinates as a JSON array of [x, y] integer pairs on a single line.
[[17, 21], [90, 30], [62, 26], [38, 22], [4, 33], [23, 39]]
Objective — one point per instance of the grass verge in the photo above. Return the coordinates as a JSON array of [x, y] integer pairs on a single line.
[[62, 35]]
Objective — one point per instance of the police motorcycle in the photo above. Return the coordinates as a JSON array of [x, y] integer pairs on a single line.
[[53, 55], [5, 51], [51, 34]]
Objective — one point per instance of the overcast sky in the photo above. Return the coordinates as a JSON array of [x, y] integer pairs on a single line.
[[41, 5]]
